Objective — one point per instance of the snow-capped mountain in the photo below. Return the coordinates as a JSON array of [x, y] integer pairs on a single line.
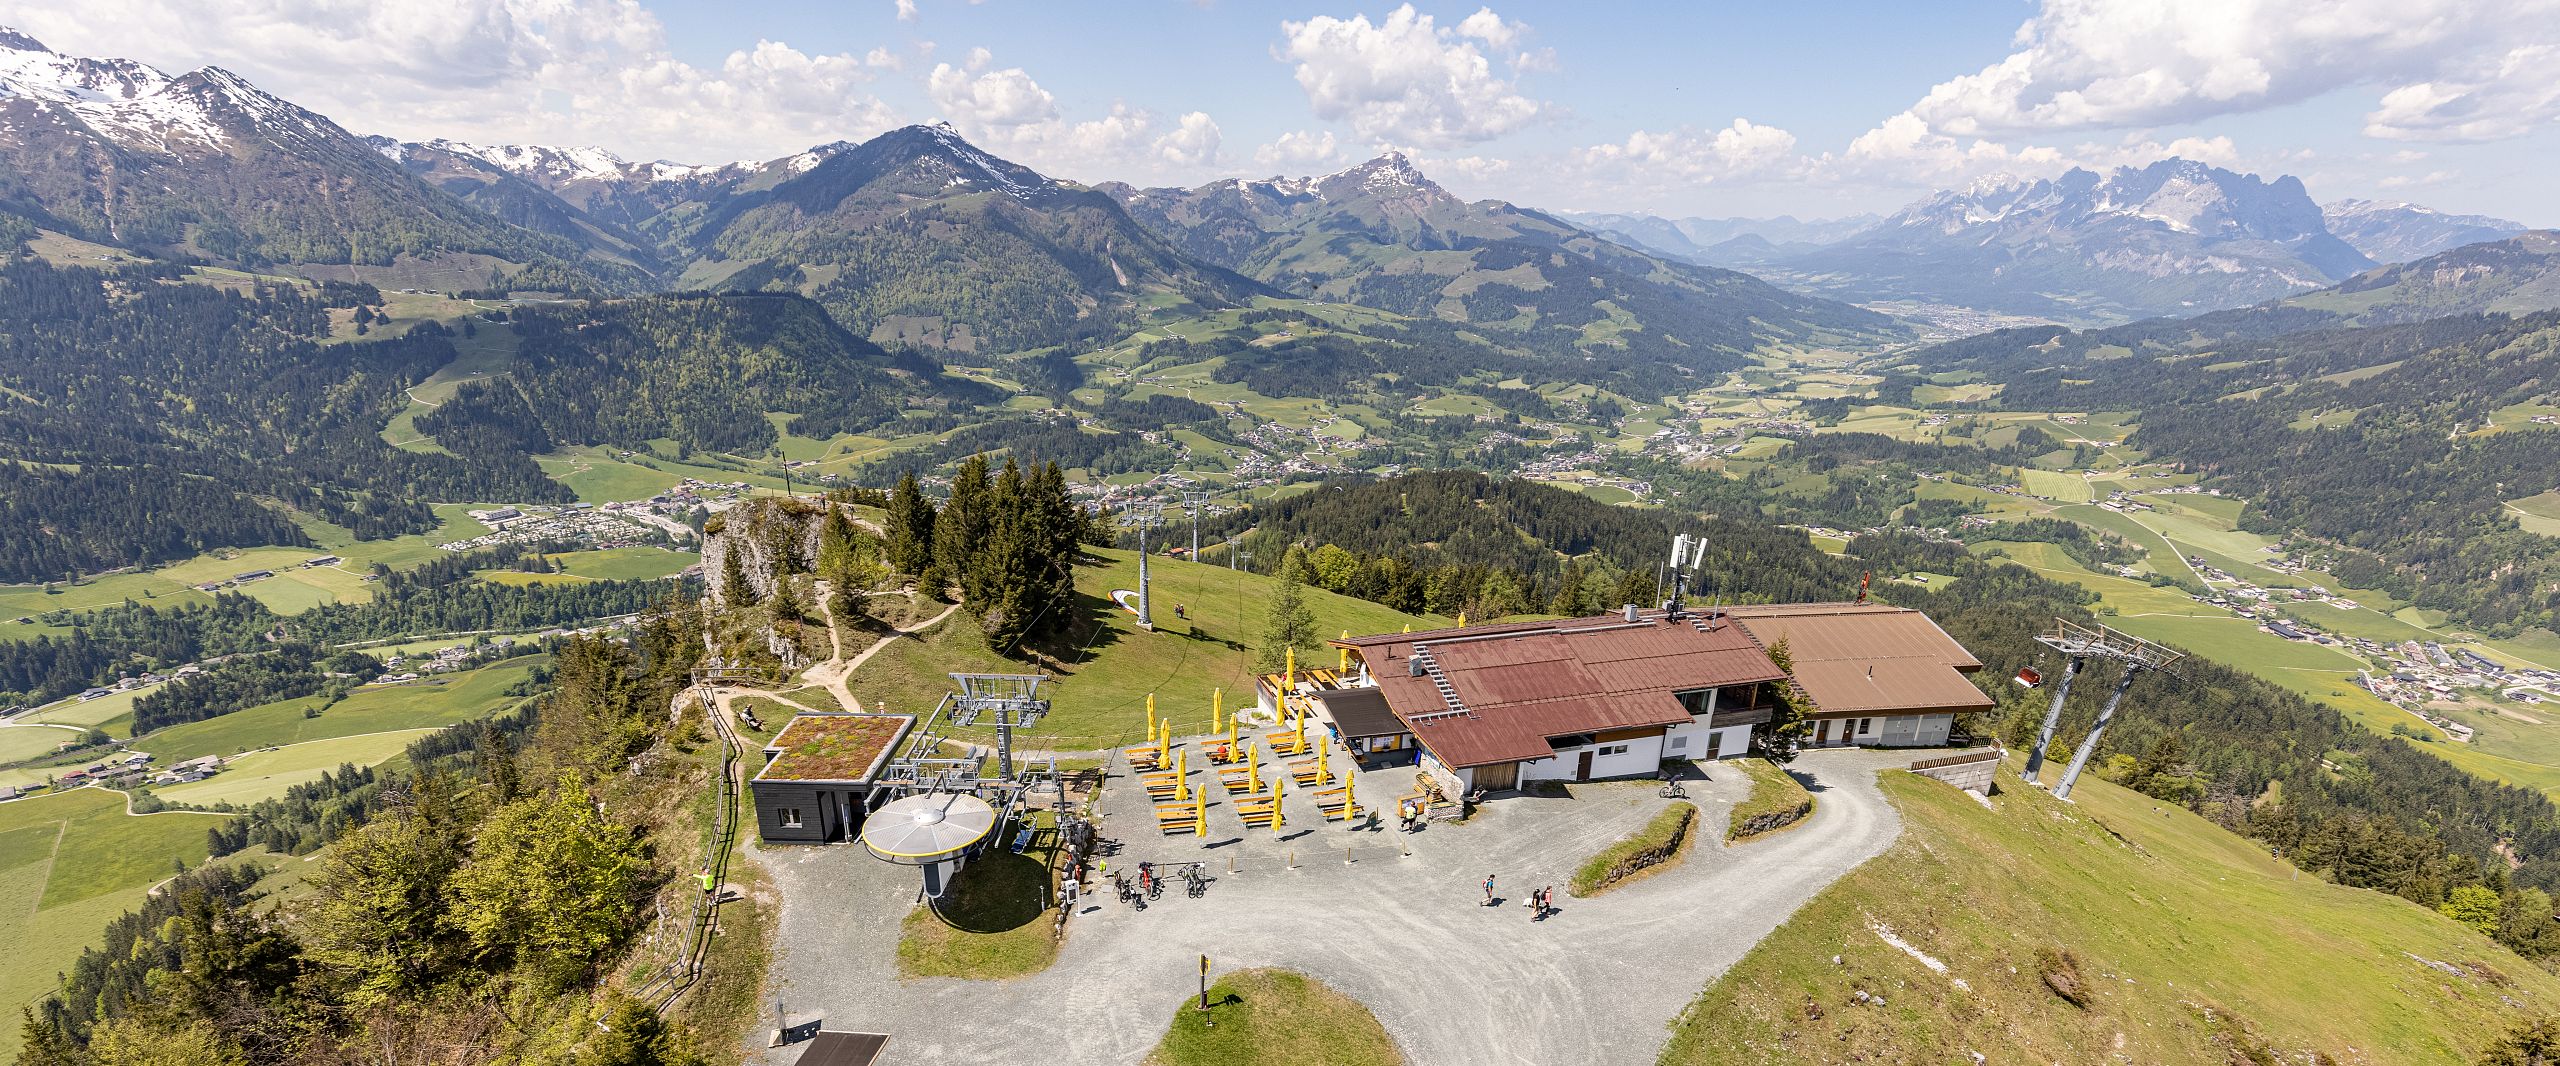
[[206, 164], [2391, 231], [2175, 237], [138, 108]]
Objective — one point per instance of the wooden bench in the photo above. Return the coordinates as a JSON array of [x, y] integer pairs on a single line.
[[1220, 753], [1238, 782], [1143, 758]]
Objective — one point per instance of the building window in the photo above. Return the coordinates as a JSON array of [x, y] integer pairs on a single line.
[[1678, 743], [1866, 726], [790, 817], [1613, 749]]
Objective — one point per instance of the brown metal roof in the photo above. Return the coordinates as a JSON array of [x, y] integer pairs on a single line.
[[1526, 682], [1357, 713], [1868, 658]]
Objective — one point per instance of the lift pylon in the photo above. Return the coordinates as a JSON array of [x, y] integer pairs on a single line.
[[2078, 644]]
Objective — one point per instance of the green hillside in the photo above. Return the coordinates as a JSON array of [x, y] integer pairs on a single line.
[[68, 863], [2191, 945], [1106, 668]]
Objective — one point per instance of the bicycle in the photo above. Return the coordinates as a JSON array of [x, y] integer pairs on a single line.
[[1197, 884]]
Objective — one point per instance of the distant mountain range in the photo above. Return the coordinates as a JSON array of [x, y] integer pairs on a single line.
[[1383, 235], [206, 165], [2174, 238], [2389, 231], [1728, 242], [915, 239], [2517, 275]]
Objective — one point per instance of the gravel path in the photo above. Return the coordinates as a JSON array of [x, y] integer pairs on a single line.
[[1405, 934]]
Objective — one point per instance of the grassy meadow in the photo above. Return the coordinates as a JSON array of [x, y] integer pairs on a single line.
[[2187, 944]]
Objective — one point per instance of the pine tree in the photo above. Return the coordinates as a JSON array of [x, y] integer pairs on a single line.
[[960, 530], [734, 589], [910, 527], [1568, 597], [1290, 624]]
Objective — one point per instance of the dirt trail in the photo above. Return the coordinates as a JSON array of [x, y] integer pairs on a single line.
[[834, 673]]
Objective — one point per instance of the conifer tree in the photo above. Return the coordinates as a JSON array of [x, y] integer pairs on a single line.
[[960, 530], [910, 527], [1291, 623]]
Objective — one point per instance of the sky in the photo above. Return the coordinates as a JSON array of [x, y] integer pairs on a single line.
[[1814, 108]]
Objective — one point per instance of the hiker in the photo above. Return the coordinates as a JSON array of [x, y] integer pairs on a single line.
[[1181, 611], [1488, 890], [1073, 890]]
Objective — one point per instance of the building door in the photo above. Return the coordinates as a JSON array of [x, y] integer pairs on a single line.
[[1582, 772], [1715, 744]]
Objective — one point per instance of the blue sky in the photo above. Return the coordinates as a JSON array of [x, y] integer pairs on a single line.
[[1816, 109]]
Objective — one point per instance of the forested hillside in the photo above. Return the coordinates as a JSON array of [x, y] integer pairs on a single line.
[[701, 371], [2399, 444], [2366, 809], [418, 930], [152, 418]]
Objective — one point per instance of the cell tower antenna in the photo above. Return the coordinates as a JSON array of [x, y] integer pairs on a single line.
[[2078, 644], [1143, 516]]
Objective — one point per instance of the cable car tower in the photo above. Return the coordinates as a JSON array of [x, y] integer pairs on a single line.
[[1142, 517], [1005, 701], [2079, 644], [947, 805]]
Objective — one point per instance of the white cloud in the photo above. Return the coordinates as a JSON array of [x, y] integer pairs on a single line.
[[529, 71], [2508, 95], [977, 98], [1299, 150], [1008, 111], [1407, 78], [906, 10], [1193, 142], [1742, 149], [2453, 69]]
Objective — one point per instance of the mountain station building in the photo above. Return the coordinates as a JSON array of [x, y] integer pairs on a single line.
[[818, 776], [1492, 707]]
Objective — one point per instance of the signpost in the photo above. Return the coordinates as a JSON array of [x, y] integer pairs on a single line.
[[1205, 1020]]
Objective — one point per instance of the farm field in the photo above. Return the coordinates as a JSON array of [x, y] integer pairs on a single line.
[[68, 863], [112, 712], [18, 743], [372, 709], [1100, 693], [2188, 941], [292, 589], [267, 774], [2064, 485]]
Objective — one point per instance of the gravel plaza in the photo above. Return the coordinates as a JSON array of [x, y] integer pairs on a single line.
[[1395, 920]]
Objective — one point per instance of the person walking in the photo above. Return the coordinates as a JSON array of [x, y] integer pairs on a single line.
[[1488, 890]]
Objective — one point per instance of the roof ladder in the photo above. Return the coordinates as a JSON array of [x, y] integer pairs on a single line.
[[1448, 694]]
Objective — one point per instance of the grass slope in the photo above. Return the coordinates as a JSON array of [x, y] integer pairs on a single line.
[[68, 863], [268, 774], [2193, 946], [1110, 665], [379, 709]]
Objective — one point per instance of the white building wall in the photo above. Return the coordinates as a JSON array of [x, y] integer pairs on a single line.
[[1691, 741], [1642, 757]]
